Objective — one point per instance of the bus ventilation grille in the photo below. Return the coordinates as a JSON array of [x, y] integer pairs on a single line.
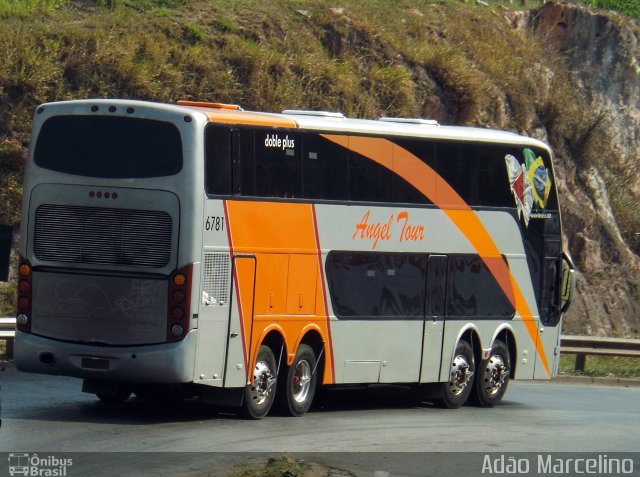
[[215, 289], [96, 235]]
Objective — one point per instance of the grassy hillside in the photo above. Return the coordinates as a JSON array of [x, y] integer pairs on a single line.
[[364, 58], [457, 62]]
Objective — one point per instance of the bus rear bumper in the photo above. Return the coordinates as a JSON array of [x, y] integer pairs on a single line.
[[160, 364]]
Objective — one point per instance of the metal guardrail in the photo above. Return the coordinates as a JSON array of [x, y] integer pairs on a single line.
[[7, 334], [581, 346]]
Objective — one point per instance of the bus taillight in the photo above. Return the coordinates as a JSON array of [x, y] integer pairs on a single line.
[[178, 304], [23, 319]]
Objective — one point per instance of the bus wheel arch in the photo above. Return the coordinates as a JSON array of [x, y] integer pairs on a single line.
[[275, 340]]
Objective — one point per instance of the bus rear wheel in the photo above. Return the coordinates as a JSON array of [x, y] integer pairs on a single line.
[[261, 391], [455, 392], [493, 376], [123, 393], [301, 381]]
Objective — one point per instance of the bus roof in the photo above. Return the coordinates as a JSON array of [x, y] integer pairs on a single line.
[[312, 121], [336, 122]]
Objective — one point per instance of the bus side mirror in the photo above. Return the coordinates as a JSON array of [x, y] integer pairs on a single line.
[[568, 285], [6, 234]]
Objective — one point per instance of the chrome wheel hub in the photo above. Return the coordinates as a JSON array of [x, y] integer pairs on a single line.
[[461, 374], [496, 374], [262, 384], [301, 381]]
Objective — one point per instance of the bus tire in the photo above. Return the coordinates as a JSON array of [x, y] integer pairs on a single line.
[[493, 376], [121, 396], [454, 393], [261, 391], [301, 381]]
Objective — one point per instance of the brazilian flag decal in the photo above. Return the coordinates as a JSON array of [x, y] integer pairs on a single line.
[[538, 177]]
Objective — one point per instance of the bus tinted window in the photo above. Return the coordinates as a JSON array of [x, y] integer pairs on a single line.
[[379, 285], [325, 169], [476, 171], [368, 180], [473, 291], [456, 163], [278, 168], [492, 182], [219, 162], [368, 285], [267, 162], [109, 147], [243, 146], [286, 164]]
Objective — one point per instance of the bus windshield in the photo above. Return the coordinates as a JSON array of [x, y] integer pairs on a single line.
[[109, 147]]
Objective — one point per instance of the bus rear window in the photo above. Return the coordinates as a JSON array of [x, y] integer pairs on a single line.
[[109, 147]]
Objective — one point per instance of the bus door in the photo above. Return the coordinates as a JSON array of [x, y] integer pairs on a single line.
[[555, 296], [240, 320], [213, 318], [434, 318]]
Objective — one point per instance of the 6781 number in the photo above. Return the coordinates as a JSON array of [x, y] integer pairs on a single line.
[[214, 223]]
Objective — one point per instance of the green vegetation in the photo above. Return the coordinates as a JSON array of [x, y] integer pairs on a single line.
[[28, 8], [602, 366], [281, 467], [627, 7]]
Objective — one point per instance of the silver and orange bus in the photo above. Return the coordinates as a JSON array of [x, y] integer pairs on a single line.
[[250, 258]]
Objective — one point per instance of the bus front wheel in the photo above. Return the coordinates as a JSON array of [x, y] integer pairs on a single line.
[[301, 381], [261, 391], [455, 392]]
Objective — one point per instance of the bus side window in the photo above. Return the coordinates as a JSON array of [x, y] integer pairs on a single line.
[[474, 291], [492, 184], [376, 285], [455, 165], [218, 161], [325, 169], [278, 164], [244, 151], [368, 180], [401, 190]]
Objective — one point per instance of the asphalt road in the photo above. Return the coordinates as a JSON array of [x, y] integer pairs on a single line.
[[371, 432]]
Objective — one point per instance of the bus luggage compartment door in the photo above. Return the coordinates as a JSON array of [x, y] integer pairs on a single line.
[[213, 319]]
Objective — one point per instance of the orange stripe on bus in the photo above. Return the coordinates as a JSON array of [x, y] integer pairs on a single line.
[[437, 190]]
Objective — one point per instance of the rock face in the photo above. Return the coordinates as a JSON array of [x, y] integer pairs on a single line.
[[602, 52]]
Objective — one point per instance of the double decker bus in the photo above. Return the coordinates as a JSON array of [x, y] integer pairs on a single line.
[[251, 257]]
